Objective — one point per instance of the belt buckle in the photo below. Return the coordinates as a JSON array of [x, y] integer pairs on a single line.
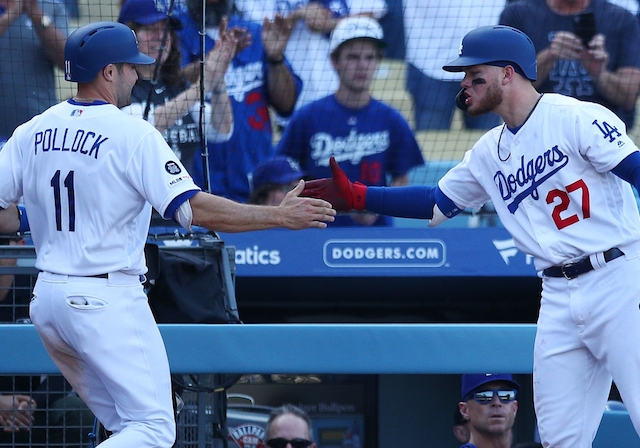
[[564, 273]]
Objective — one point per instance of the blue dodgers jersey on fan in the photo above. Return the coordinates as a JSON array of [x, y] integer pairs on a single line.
[[231, 162], [370, 144]]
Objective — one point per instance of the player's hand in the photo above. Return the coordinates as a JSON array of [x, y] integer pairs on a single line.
[[343, 194], [303, 212]]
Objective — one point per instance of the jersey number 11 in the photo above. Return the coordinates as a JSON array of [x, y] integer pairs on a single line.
[[68, 184]]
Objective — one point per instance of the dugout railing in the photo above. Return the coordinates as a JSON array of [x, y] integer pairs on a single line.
[[380, 349]]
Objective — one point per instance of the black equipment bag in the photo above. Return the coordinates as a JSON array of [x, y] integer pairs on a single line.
[[192, 284]]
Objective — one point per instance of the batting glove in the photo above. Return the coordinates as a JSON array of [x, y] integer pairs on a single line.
[[338, 190]]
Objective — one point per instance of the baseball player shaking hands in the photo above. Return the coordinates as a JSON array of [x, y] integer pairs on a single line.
[[90, 174], [558, 172]]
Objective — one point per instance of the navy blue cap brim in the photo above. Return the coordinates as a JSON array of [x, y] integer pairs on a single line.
[[459, 64]]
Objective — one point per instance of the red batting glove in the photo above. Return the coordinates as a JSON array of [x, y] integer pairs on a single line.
[[343, 194]]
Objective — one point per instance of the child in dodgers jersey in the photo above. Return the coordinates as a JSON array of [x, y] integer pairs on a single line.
[[559, 173], [89, 174]]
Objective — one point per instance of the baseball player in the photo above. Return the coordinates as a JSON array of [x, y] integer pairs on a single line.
[[558, 172], [89, 174]]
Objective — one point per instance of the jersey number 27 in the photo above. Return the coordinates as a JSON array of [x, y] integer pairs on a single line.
[[565, 200]]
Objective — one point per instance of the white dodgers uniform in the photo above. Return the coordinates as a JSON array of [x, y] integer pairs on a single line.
[[553, 190], [89, 175]]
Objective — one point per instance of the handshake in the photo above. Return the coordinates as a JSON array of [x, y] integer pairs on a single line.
[[343, 194]]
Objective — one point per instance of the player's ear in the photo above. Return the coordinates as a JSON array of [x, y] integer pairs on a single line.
[[108, 71], [507, 74]]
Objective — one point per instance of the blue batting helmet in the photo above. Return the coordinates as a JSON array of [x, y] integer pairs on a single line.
[[92, 47], [496, 45]]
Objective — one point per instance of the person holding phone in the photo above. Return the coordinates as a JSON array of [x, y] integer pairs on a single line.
[[587, 49]]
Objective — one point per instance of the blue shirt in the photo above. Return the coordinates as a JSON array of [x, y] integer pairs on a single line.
[[231, 162], [372, 145]]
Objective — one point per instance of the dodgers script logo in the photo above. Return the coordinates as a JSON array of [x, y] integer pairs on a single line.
[[529, 176]]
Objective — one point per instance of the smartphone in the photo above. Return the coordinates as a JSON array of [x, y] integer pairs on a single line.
[[584, 26]]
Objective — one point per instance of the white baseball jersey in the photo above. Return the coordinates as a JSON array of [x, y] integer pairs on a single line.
[[550, 181], [88, 186]]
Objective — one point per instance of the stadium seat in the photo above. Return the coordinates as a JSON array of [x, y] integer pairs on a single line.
[[616, 429]]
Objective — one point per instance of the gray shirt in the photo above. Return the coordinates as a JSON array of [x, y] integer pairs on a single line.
[[27, 76]]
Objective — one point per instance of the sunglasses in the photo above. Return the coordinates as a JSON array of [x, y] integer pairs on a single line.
[[486, 396], [281, 442]]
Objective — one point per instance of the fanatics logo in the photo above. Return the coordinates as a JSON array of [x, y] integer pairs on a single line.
[[172, 167], [76, 112]]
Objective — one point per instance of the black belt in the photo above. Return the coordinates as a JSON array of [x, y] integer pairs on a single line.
[[98, 276], [582, 266]]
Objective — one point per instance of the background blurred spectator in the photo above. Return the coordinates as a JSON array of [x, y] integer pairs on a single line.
[[273, 179], [32, 38], [604, 70], [162, 95], [433, 32], [308, 46], [370, 140], [259, 77]]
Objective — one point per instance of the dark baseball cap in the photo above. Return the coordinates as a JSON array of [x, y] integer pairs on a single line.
[[280, 171], [146, 12], [471, 382]]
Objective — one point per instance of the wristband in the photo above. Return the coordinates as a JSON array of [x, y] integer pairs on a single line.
[[219, 90], [275, 61], [24, 221]]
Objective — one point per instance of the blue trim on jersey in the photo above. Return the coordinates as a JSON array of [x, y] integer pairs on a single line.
[[446, 205], [170, 212], [403, 202], [629, 169], [85, 103]]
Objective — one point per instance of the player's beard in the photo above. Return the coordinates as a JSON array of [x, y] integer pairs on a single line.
[[492, 99], [213, 13]]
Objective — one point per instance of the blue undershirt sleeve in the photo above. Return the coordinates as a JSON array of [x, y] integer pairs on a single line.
[[629, 170], [402, 202]]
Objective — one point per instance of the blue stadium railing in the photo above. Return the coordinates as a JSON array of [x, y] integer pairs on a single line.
[[313, 348]]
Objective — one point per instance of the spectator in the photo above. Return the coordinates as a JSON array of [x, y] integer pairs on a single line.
[[460, 426], [289, 426], [489, 404], [36, 409], [259, 78], [433, 32], [308, 46], [162, 95], [370, 140], [32, 38], [273, 179], [604, 70]]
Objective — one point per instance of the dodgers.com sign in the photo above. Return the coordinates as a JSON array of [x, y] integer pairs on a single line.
[[392, 253]]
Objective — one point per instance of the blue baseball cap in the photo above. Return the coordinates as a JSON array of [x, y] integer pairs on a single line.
[[471, 382], [146, 12], [280, 171]]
